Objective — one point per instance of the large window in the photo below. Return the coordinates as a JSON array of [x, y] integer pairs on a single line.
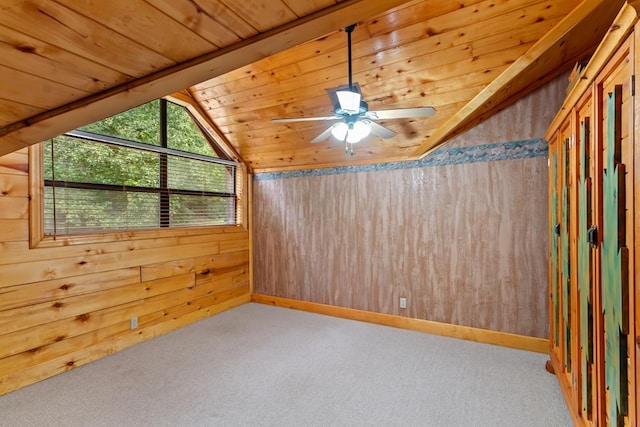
[[149, 167]]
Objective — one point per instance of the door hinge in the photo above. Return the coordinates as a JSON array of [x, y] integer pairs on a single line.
[[632, 85]]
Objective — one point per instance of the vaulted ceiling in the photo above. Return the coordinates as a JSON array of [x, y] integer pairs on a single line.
[[65, 63]]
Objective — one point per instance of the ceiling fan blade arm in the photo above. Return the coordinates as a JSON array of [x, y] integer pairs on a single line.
[[324, 135], [402, 113], [303, 119], [381, 131]]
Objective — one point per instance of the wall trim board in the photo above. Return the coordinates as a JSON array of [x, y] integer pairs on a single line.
[[513, 150], [504, 339]]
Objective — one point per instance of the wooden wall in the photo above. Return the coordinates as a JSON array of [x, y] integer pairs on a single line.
[[63, 306], [466, 244]]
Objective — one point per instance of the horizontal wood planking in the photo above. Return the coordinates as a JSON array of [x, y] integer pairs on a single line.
[[13, 230], [119, 338], [478, 39], [44, 91], [402, 33], [143, 23], [40, 335], [207, 264], [47, 60], [79, 34], [14, 186], [14, 207], [10, 111], [400, 59], [125, 242], [70, 302], [38, 314], [154, 74], [36, 271], [521, 342], [205, 24], [16, 163], [34, 293]]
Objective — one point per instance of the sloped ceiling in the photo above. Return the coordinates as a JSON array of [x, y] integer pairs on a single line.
[[65, 63]]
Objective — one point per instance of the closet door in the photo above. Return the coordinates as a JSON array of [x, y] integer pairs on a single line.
[[554, 247], [615, 226], [565, 285], [561, 306], [586, 241]]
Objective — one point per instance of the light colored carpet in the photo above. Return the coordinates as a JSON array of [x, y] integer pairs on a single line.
[[258, 365]]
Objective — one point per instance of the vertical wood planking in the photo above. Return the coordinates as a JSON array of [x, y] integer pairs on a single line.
[[464, 244]]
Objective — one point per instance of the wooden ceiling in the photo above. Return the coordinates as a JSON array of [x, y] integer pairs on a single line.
[[65, 63]]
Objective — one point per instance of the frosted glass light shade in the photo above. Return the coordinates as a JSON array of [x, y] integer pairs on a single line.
[[353, 133], [361, 129], [349, 101], [339, 131]]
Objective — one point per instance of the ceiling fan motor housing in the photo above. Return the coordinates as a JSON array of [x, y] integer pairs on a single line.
[[364, 107]]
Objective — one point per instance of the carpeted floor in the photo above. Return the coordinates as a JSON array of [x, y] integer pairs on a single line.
[[258, 365]]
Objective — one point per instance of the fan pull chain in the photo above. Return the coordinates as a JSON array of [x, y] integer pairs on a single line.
[[347, 149]]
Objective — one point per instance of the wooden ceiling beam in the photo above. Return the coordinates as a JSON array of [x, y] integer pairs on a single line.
[[175, 78], [585, 22]]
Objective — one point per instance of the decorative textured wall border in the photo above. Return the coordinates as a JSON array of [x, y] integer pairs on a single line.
[[513, 150]]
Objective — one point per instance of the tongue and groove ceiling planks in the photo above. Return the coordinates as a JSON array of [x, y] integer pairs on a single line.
[[66, 63]]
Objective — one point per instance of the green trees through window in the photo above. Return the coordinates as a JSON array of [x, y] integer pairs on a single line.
[[124, 172]]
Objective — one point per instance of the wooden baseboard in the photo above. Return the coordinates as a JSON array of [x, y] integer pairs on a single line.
[[521, 342]]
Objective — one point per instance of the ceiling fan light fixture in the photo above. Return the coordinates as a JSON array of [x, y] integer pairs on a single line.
[[351, 133], [339, 131], [356, 121], [360, 130], [349, 101]]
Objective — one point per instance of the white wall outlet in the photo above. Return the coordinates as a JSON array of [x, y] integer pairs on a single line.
[[403, 303], [134, 322]]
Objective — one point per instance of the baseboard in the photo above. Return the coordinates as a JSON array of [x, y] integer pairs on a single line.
[[520, 342]]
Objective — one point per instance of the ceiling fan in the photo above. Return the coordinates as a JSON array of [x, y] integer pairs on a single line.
[[355, 121]]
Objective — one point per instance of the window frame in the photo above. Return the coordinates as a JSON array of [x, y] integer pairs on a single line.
[[38, 239]]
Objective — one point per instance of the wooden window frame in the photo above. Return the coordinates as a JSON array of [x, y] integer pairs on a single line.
[[38, 239]]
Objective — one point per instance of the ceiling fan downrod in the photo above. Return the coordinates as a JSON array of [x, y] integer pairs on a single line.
[[349, 30]]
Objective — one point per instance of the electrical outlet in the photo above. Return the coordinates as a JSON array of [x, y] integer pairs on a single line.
[[134, 322], [403, 303]]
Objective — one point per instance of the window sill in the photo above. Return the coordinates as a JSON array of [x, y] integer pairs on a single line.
[[132, 235]]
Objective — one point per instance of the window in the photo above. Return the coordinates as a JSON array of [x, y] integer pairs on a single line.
[[148, 167]]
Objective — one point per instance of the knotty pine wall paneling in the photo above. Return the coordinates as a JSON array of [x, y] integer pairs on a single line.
[[64, 306], [465, 242]]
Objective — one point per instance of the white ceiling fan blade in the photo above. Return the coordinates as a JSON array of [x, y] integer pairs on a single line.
[[401, 113], [381, 131], [303, 119], [324, 135]]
